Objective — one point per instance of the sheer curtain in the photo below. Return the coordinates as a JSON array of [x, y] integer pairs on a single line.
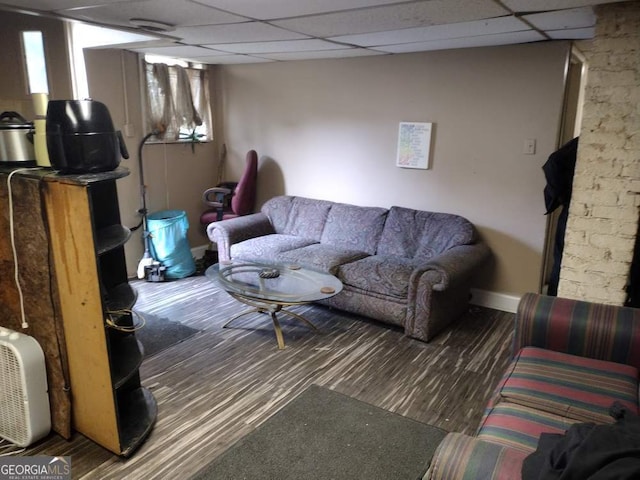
[[177, 101]]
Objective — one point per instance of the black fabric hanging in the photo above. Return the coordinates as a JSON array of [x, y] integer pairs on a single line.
[[558, 171], [633, 289]]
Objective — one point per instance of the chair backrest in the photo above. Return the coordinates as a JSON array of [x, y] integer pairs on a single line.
[[244, 198]]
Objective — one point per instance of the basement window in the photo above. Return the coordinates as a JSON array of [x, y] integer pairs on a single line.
[[33, 49], [177, 100]]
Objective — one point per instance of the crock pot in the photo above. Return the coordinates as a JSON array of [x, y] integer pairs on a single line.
[[16, 140]]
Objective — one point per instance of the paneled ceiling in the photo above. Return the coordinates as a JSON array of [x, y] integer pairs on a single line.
[[251, 31]]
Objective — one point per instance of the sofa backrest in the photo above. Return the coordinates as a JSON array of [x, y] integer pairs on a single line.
[[422, 235], [303, 217], [353, 227]]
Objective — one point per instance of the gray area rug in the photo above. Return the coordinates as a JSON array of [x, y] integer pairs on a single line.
[[158, 333], [323, 434]]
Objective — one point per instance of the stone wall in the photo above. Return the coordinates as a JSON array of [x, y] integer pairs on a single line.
[[605, 204]]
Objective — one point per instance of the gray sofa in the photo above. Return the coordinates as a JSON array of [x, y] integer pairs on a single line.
[[404, 267]]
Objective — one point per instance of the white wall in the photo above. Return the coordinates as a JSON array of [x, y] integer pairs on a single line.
[[328, 129], [175, 176]]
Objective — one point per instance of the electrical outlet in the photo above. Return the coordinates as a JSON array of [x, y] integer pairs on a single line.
[[529, 146]]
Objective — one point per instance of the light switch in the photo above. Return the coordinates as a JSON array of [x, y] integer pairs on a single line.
[[529, 146]]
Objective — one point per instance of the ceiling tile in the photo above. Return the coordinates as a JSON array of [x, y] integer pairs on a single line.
[[233, 59], [239, 32], [394, 17], [277, 47], [436, 32], [172, 12], [481, 41], [559, 19], [259, 9], [572, 33], [53, 5], [542, 5], [343, 53], [179, 51]]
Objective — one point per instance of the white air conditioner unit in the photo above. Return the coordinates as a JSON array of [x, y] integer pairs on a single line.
[[24, 401]]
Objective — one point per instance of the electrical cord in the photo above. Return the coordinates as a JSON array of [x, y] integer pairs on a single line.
[[16, 273], [6, 445], [123, 328]]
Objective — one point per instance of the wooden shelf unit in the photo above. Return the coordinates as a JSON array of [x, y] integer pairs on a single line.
[[87, 241]]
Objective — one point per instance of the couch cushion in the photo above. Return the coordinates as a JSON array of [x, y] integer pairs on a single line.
[[379, 274], [353, 227], [423, 235], [325, 258], [574, 387], [266, 247], [461, 457], [518, 426], [307, 217], [277, 210]]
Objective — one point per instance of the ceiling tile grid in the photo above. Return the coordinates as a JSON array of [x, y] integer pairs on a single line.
[[255, 31]]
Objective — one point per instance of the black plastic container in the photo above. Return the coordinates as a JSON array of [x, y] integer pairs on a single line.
[[81, 137]]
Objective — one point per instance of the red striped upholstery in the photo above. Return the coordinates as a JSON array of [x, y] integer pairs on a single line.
[[574, 387], [572, 360], [474, 460], [605, 332], [517, 426]]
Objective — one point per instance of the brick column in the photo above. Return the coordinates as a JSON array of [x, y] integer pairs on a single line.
[[605, 203]]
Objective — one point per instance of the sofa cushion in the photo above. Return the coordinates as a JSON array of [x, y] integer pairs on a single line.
[[462, 457], [379, 274], [318, 256], [518, 426], [277, 210], [423, 235], [353, 227], [307, 217], [266, 247], [574, 387]]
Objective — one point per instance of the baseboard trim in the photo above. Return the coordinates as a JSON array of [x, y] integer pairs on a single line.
[[198, 252], [495, 300]]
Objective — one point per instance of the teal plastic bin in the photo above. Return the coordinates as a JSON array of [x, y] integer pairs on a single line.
[[169, 244]]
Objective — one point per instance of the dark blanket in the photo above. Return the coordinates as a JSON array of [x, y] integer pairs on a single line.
[[589, 452]]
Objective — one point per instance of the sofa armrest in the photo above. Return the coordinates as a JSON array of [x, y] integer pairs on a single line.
[[461, 457], [586, 329], [235, 230], [453, 267]]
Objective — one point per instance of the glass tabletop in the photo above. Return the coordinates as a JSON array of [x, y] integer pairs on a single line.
[[278, 283]]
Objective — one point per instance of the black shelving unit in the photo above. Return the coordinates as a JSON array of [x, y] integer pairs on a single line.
[[109, 404]]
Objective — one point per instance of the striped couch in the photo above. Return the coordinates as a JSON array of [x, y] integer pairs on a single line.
[[572, 360]]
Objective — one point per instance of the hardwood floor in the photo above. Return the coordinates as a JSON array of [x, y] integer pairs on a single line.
[[220, 384]]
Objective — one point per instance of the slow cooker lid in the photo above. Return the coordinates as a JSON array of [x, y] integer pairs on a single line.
[[9, 120]]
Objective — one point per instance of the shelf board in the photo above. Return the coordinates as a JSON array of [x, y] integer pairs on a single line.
[[51, 175], [137, 411], [125, 357], [111, 237], [121, 297]]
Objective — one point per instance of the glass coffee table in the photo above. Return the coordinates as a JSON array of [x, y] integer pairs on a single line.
[[269, 288]]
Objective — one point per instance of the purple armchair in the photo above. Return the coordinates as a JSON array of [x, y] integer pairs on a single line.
[[230, 199]]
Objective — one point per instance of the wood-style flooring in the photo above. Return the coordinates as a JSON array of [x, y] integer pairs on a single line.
[[220, 384]]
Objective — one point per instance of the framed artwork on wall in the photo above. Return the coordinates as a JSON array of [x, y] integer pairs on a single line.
[[414, 145]]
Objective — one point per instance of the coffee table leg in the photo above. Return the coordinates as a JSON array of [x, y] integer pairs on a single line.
[[278, 330], [246, 312], [300, 317]]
